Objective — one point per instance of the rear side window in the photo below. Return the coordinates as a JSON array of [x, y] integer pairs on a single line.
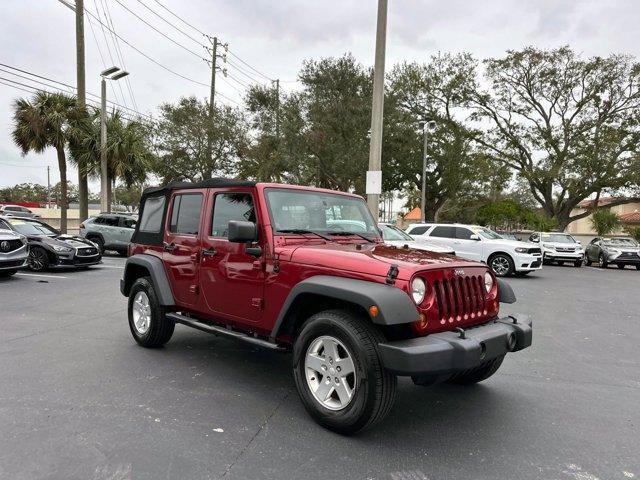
[[185, 214], [444, 232], [419, 230], [152, 212], [231, 206], [127, 222], [463, 233], [108, 221]]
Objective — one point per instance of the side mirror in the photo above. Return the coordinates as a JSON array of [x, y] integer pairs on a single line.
[[241, 231], [475, 237]]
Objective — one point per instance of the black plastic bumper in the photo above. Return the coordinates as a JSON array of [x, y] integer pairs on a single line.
[[447, 352]]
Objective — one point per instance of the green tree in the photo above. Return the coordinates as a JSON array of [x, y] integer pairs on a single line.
[[43, 122], [604, 221], [180, 140], [437, 91], [634, 232], [567, 125], [24, 192]]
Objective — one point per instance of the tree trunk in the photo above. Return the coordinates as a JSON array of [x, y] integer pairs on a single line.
[[109, 194], [62, 166], [83, 194]]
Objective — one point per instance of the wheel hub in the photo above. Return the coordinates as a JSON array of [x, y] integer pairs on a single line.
[[330, 372], [141, 313]]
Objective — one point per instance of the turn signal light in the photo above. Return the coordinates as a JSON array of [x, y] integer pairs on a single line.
[[421, 324], [374, 311]]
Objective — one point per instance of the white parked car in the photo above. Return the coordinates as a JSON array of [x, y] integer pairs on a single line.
[[505, 257], [392, 235], [559, 247]]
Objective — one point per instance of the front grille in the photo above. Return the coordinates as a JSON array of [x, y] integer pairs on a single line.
[[460, 298], [536, 250], [85, 252], [565, 249], [7, 246]]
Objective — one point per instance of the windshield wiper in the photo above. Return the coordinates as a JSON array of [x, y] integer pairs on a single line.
[[353, 233], [302, 231]]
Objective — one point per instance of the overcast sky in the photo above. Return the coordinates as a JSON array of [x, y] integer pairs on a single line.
[[275, 37]]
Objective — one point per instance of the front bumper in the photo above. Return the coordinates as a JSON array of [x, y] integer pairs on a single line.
[[525, 262], [447, 353], [14, 259], [554, 255], [624, 259], [75, 260]]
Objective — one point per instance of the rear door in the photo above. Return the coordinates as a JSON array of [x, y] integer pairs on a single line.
[[444, 235], [181, 245], [232, 281]]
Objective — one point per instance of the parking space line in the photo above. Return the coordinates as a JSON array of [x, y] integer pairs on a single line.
[[39, 275]]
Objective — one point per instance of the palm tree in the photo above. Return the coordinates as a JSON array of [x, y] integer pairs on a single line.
[[128, 153], [43, 122]]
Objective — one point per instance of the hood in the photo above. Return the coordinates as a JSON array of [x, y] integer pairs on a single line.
[[65, 240], [562, 245], [9, 235], [370, 259], [512, 243], [430, 247], [620, 248]]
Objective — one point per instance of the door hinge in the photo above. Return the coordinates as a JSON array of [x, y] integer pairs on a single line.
[[257, 302]]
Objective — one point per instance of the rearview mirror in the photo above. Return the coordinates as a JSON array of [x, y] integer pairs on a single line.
[[535, 240], [242, 232], [474, 237]]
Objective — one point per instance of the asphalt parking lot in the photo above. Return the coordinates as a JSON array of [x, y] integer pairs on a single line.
[[80, 400]]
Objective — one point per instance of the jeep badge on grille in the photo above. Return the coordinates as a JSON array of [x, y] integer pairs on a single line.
[[459, 272]]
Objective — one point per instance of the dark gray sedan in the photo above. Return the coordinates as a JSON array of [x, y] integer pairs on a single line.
[[619, 251]]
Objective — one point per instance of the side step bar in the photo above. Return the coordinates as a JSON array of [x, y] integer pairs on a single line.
[[216, 330]]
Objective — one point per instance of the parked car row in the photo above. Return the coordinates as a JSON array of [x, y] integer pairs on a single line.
[[507, 256]]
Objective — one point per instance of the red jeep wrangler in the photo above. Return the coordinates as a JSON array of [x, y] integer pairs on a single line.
[[305, 269]]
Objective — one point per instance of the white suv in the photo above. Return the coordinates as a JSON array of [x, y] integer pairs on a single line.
[[505, 257], [559, 247]]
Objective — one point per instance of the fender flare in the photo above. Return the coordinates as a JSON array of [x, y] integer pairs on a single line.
[[155, 267], [394, 305], [505, 292]]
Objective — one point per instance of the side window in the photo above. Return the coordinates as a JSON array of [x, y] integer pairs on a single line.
[[231, 206], [444, 232], [418, 230], [127, 222], [185, 213], [153, 210], [463, 233], [110, 221], [99, 221], [4, 225]]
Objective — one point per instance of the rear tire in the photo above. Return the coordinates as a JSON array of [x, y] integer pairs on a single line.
[[620, 266], [637, 267], [99, 243], [501, 264], [147, 320], [478, 374], [371, 389]]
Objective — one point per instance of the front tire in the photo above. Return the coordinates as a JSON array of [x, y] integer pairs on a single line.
[[587, 261], [602, 262], [38, 259], [501, 264], [147, 320], [620, 266], [577, 263], [7, 273], [338, 372], [478, 374]]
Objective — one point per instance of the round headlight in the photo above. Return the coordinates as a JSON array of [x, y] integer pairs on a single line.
[[488, 282], [418, 289]]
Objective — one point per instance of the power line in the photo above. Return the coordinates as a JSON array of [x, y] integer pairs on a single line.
[[106, 42], [246, 64], [197, 55], [169, 23], [120, 56], [181, 19]]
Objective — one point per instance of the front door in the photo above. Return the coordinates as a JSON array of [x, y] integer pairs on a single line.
[[232, 281], [181, 245], [466, 247]]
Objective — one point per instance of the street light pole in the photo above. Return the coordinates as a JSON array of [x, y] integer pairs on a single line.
[[427, 127], [374, 174], [112, 73]]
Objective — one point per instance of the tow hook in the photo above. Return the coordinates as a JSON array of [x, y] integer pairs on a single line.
[[513, 319], [461, 332]]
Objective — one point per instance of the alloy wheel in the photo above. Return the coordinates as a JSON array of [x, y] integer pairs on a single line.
[[500, 265], [141, 313], [37, 259], [330, 372]]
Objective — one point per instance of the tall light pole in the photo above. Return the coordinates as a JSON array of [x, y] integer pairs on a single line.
[[374, 174], [113, 73], [427, 127]]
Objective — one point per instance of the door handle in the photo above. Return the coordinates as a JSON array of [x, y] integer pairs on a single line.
[[168, 247], [209, 252]]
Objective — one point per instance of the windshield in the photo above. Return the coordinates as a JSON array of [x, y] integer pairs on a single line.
[[486, 233], [389, 233], [621, 242], [31, 228], [557, 238], [319, 212]]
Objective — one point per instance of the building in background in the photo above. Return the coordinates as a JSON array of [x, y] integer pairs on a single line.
[[629, 214]]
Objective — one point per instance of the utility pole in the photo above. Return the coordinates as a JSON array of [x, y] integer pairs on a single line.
[[212, 93], [277, 81], [428, 126], [83, 188], [374, 174], [104, 173]]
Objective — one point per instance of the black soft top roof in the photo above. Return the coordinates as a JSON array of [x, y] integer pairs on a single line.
[[210, 183]]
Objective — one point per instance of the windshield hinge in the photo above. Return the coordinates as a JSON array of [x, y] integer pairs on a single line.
[[392, 274]]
